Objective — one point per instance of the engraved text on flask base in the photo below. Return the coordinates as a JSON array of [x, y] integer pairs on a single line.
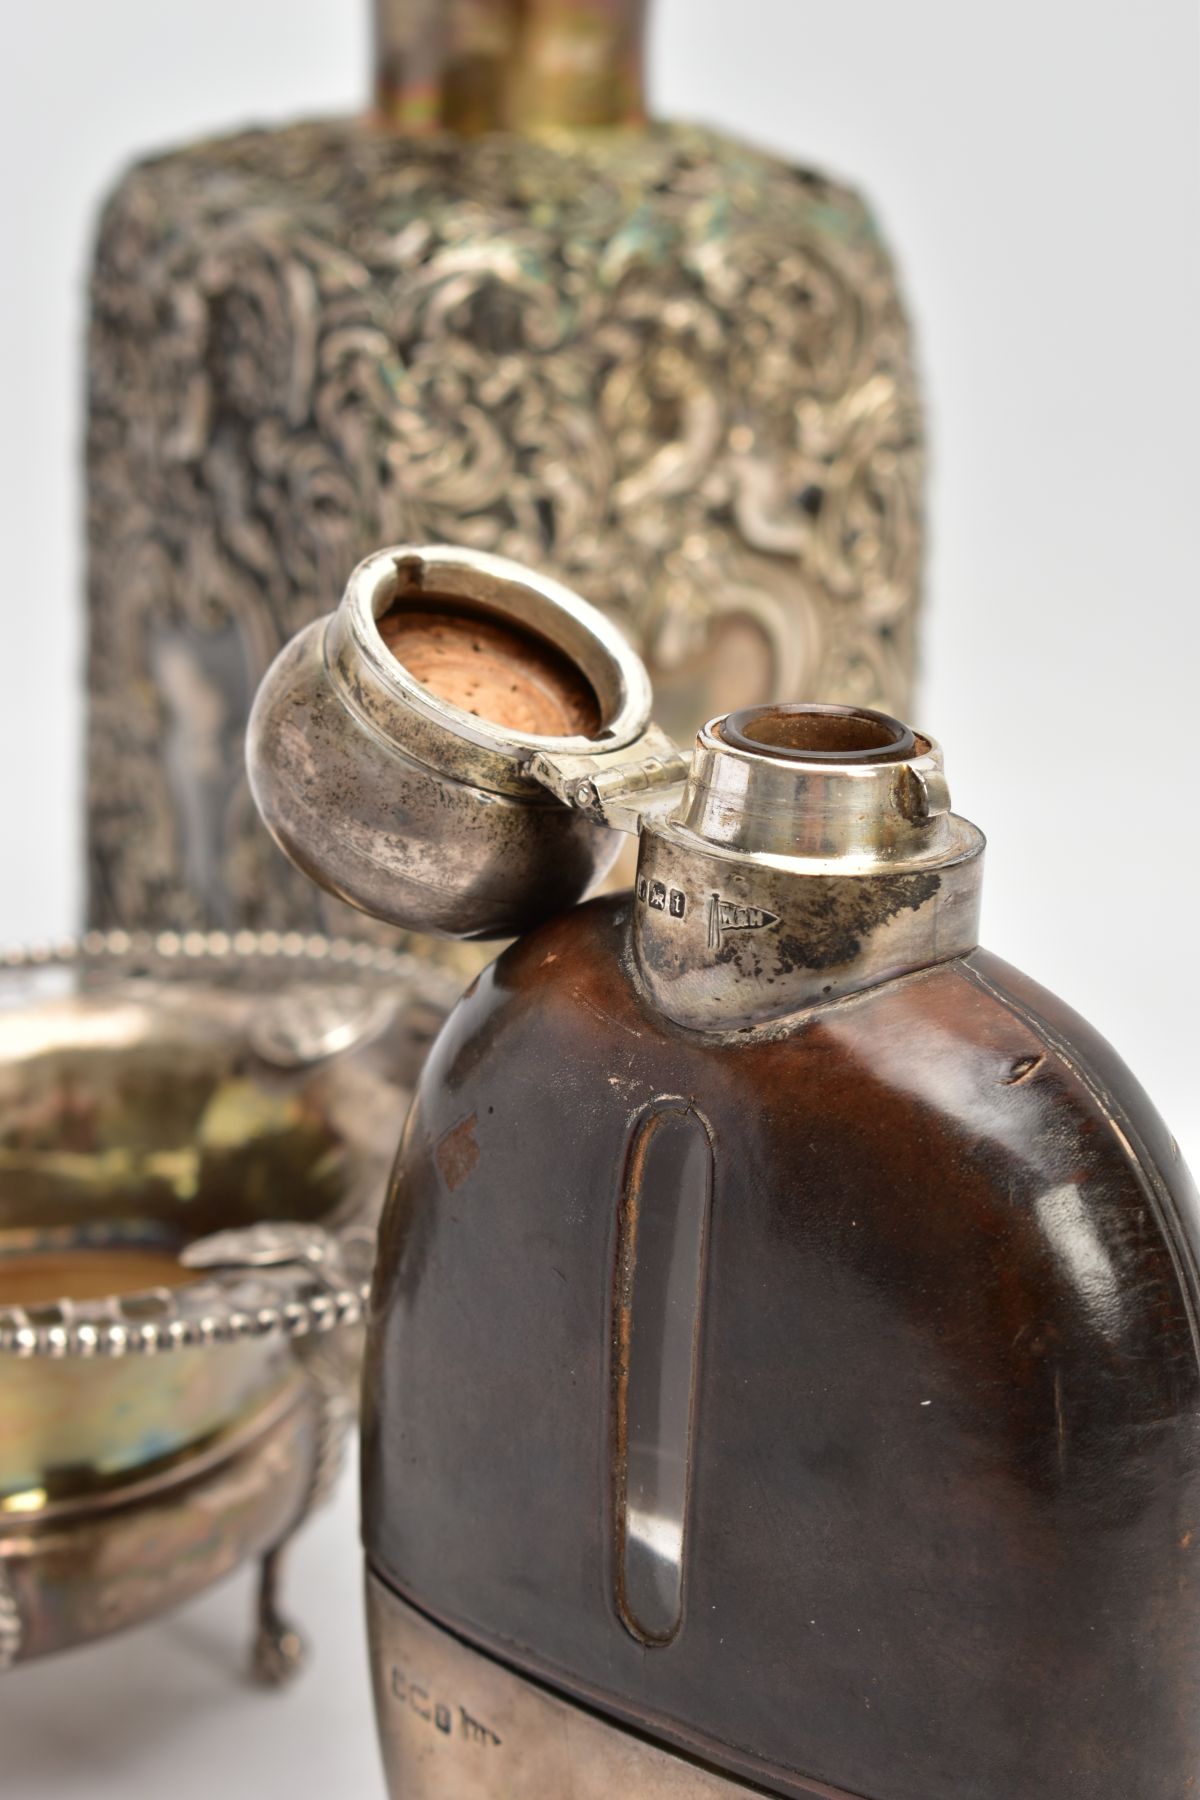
[[455, 1723]]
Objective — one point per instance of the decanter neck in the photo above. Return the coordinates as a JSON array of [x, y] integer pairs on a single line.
[[470, 66]]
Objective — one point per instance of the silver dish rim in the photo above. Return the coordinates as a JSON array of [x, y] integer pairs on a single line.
[[292, 1299]]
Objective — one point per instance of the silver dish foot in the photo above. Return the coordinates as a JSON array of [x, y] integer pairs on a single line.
[[279, 1650]]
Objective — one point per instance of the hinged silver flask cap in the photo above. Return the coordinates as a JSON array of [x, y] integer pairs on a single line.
[[460, 746], [392, 746]]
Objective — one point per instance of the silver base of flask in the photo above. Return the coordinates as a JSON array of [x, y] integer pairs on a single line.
[[456, 1725]]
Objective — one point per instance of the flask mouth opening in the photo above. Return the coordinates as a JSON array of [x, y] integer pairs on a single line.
[[806, 731]]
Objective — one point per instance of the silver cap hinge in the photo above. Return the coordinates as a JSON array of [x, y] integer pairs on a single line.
[[620, 788]]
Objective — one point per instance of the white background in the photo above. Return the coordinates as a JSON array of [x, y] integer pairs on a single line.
[[1037, 169]]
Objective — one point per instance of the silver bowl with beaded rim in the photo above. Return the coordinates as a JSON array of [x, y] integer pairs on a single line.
[[195, 1132]]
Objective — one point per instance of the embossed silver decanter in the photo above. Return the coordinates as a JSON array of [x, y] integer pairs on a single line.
[[505, 311]]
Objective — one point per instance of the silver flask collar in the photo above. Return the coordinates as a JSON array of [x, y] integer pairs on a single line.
[[812, 853]]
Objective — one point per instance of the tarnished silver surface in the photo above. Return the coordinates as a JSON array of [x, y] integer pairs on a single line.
[[287, 1300], [101, 1560], [274, 1280], [664, 367], [170, 1100], [804, 852], [782, 882], [456, 1725], [279, 1648], [342, 1264], [410, 807], [620, 790]]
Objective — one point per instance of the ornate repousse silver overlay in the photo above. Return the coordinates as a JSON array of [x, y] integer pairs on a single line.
[[668, 369]]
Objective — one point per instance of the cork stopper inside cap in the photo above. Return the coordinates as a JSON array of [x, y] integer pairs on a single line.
[[494, 668]]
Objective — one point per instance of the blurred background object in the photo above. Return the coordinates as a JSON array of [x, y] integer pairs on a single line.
[[656, 363]]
